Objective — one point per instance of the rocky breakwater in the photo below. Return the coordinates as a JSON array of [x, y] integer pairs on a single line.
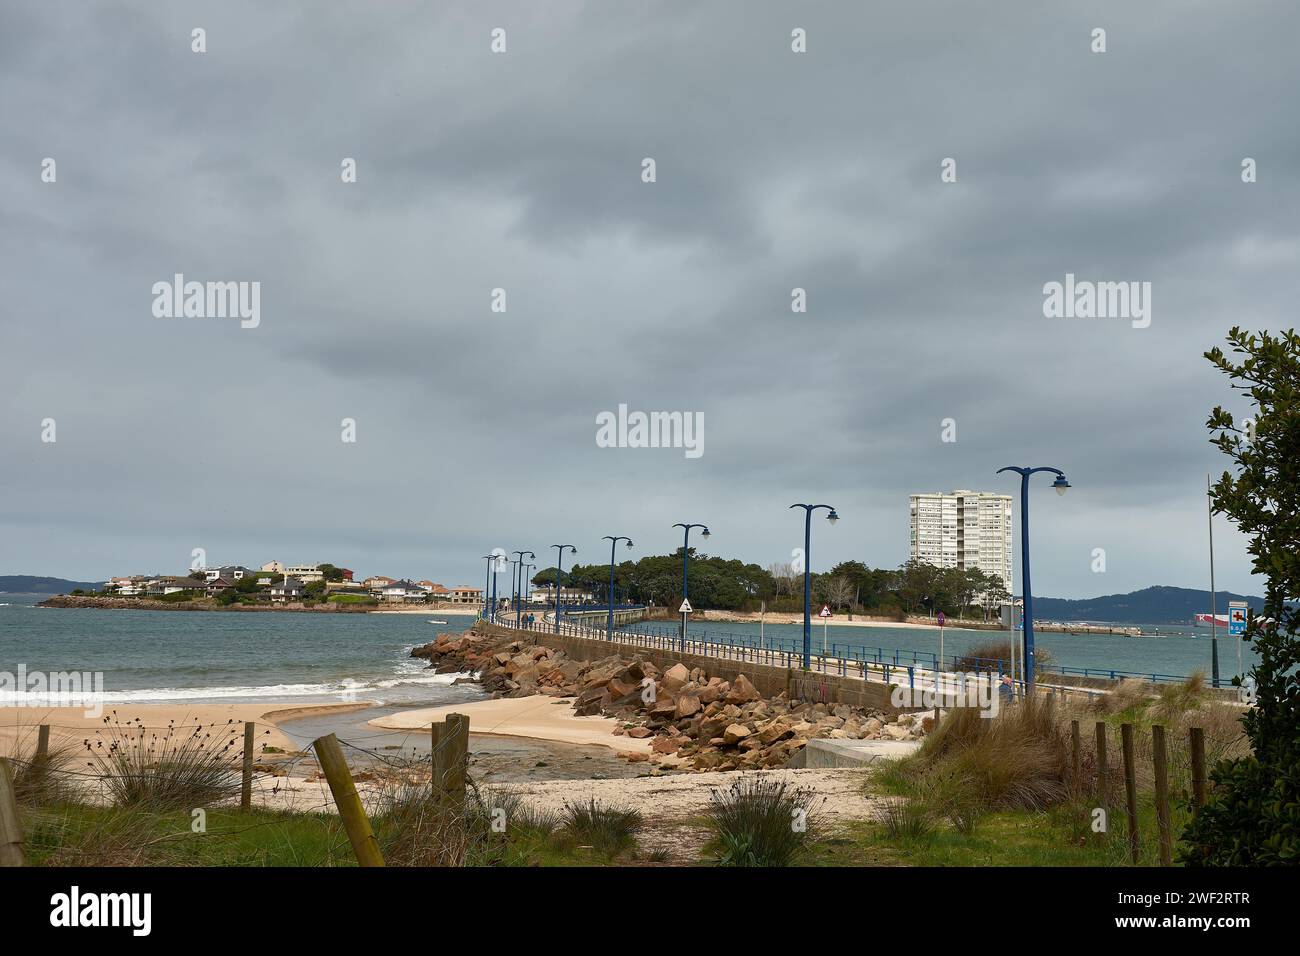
[[696, 720]]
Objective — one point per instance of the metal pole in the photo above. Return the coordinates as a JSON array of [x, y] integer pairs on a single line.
[[1214, 620], [495, 571], [686, 577], [609, 626], [807, 588], [1028, 656]]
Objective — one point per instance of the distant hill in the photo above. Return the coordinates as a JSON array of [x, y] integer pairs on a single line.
[[33, 584], [1158, 605]]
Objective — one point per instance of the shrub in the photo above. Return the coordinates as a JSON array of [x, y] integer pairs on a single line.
[[607, 830], [760, 822], [990, 654], [181, 767]]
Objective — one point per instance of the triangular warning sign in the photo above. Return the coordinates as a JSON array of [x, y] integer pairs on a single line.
[[685, 608]]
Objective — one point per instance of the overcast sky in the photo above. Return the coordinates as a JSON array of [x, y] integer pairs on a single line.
[[523, 171]]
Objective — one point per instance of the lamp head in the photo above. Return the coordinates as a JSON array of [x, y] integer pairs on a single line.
[[832, 517], [705, 533], [1060, 484], [629, 542]]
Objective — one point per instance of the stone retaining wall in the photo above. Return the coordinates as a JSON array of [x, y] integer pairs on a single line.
[[769, 680]]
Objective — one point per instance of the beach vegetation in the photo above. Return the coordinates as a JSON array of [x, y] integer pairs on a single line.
[[758, 821], [1253, 816], [607, 830], [183, 765]]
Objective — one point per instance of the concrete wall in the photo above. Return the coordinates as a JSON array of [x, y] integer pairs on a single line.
[[769, 680]]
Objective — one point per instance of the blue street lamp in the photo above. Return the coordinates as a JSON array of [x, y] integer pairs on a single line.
[[528, 579], [832, 517], [1060, 484], [613, 544], [496, 569], [686, 564], [559, 574], [487, 578], [519, 570]]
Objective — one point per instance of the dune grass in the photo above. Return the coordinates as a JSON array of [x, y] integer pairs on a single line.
[[1008, 781], [760, 822]]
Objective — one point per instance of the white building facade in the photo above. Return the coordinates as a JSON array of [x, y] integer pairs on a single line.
[[963, 529]]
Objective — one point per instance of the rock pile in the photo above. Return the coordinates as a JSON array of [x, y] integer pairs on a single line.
[[696, 720]]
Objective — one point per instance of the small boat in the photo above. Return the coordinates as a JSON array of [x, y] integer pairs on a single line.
[[1216, 620], [435, 622]]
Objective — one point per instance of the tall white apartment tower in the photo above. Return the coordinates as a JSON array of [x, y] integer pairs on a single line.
[[963, 529]]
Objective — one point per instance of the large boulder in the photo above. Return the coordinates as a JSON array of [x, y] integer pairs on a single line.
[[735, 733], [676, 677], [742, 691]]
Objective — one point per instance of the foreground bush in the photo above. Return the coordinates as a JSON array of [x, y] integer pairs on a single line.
[[760, 822], [181, 767], [1253, 817], [607, 830]]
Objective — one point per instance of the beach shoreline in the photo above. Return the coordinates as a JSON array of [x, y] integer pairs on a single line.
[[71, 725]]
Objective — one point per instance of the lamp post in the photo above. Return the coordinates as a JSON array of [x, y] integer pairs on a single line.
[[559, 572], [487, 577], [1060, 484], [832, 517], [528, 579], [686, 563], [613, 545], [519, 570], [496, 569]]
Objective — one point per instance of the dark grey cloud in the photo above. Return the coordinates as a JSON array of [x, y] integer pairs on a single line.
[[521, 171]]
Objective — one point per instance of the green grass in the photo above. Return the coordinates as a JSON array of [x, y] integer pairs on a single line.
[[81, 835], [1045, 838], [352, 599]]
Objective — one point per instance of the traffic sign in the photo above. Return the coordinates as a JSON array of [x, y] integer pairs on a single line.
[[1236, 618], [685, 608], [940, 618], [825, 611]]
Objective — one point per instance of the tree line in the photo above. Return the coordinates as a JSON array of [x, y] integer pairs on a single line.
[[729, 584]]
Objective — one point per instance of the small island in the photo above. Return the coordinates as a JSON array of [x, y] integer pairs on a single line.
[[323, 588]]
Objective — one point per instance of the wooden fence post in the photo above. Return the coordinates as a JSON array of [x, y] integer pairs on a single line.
[[1074, 740], [458, 757], [1197, 741], [1103, 767], [246, 789], [438, 737], [355, 821], [11, 828], [42, 747], [1130, 789], [1160, 759]]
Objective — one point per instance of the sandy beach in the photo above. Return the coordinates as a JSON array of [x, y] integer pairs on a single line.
[[455, 610], [540, 717], [839, 620], [70, 725]]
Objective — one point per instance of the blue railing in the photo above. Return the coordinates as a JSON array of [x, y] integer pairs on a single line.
[[880, 656]]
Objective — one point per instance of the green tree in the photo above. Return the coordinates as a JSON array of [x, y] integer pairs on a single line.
[[332, 574], [1253, 817]]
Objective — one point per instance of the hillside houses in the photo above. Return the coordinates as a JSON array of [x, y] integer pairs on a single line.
[[279, 583]]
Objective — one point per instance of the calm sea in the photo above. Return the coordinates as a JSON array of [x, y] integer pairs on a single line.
[[229, 657], [196, 656], [1172, 651]]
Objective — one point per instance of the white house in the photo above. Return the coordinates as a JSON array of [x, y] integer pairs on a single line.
[[290, 589]]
